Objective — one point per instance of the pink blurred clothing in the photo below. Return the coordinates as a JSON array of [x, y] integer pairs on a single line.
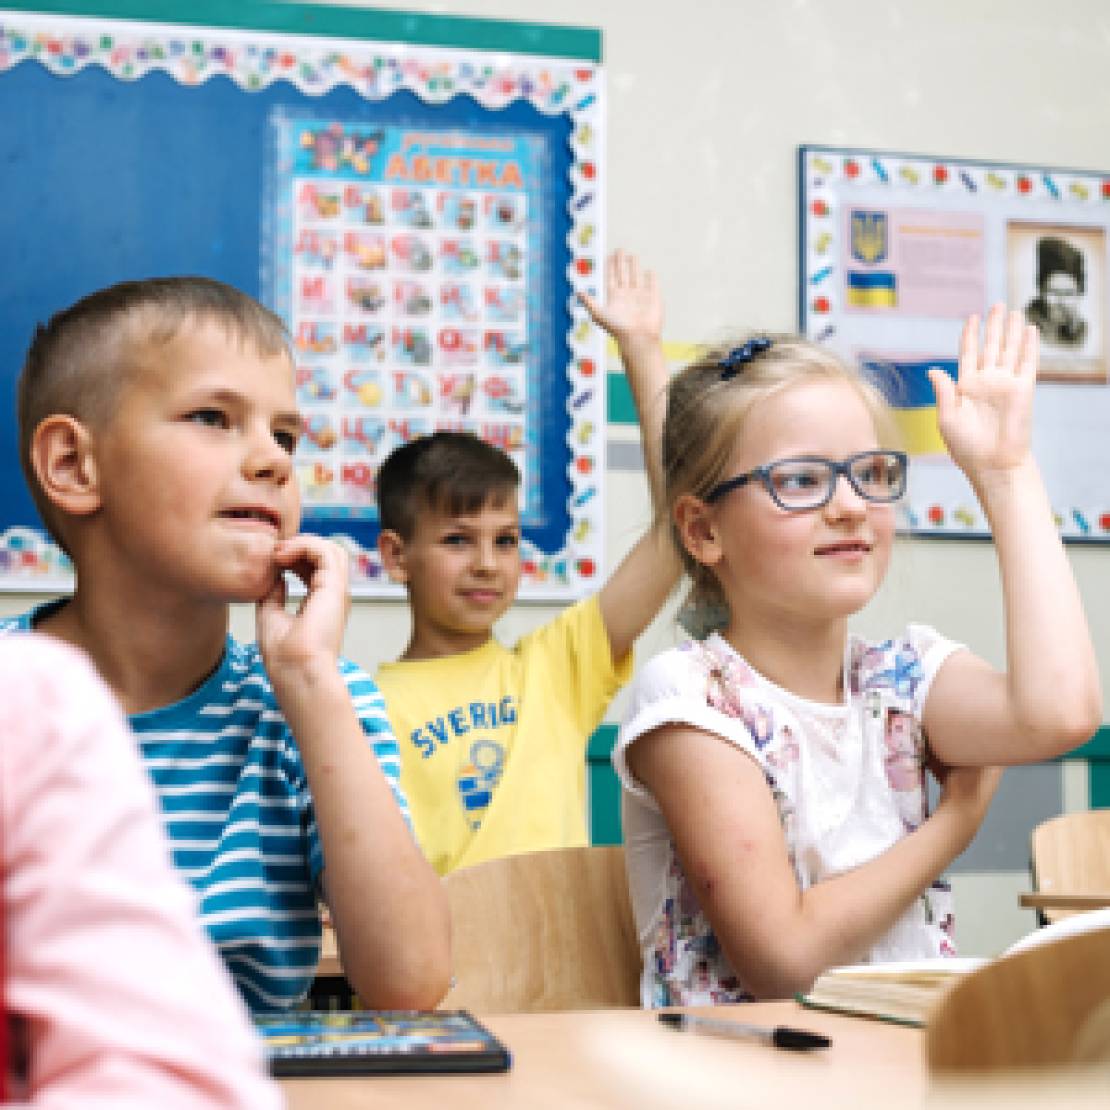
[[121, 1001]]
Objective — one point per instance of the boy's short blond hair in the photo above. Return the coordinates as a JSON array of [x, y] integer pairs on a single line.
[[83, 357]]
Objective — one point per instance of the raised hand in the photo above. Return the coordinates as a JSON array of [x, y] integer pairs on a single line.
[[633, 316], [314, 631], [633, 309], [986, 415]]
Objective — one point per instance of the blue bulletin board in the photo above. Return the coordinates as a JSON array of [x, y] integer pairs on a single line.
[[417, 196], [897, 250]]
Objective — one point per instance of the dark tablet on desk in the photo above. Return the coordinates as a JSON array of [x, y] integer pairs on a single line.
[[378, 1042]]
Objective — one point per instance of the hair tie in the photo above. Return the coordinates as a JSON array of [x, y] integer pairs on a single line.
[[739, 357]]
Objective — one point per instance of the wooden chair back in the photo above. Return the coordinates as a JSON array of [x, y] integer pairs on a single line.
[[543, 931], [1071, 855], [1046, 1006]]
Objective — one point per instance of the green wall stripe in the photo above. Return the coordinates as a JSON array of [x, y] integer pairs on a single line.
[[622, 409], [1099, 785], [601, 743], [605, 805], [1096, 749], [605, 788], [377, 24], [1097, 753]]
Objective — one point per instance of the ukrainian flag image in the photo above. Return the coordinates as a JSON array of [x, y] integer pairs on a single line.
[[873, 289], [908, 391]]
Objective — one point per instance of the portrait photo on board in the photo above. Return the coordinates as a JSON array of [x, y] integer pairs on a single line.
[[1057, 274]]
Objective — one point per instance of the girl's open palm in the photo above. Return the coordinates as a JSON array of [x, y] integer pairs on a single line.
[[986, 416]]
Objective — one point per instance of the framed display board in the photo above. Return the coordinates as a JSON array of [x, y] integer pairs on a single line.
[[419, 197], [898, 249]]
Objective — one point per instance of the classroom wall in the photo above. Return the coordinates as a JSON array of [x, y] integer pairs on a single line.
[[707, 102]]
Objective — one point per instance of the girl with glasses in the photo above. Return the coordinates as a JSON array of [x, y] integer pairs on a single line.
[[774, 801]]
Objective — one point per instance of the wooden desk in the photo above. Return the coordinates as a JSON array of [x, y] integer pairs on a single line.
[[625, 1058]]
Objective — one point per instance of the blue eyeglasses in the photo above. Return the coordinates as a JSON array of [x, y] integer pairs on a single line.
[[809, 482]]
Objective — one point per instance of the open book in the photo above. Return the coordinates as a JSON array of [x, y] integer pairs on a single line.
[[899, 992], [907, 992]]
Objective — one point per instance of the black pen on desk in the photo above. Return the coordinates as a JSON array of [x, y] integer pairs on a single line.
[[779, 1036]]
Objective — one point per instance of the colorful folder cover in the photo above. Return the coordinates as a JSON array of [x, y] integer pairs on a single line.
[[368, 1042]]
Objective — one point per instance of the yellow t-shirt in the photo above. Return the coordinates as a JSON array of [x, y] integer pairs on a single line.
[[493, 741]]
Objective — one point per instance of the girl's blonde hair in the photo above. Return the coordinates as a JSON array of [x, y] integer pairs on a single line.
[[707, 406]]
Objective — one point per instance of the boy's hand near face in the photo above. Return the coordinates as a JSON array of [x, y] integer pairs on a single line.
[[315, 630], [381, 891]]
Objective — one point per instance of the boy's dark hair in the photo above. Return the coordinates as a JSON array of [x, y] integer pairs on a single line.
[[82, 357], [455, 472]]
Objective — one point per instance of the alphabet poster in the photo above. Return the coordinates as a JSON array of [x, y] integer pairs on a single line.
[[421, 216]]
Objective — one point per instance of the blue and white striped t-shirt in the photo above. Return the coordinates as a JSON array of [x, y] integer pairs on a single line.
[[240, 818]]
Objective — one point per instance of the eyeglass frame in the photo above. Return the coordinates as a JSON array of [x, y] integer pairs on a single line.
[[837, 469]]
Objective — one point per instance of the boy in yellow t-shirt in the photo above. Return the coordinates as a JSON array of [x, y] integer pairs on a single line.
[[493, 740]]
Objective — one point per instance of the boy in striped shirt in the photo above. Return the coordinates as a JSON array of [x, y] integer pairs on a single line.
[[158, 422]]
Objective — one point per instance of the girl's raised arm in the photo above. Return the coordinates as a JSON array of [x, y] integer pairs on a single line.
[[1049, 699]]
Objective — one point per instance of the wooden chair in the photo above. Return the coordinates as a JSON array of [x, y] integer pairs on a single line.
[[1071, 855], [1048, 1005], [543, 931]]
